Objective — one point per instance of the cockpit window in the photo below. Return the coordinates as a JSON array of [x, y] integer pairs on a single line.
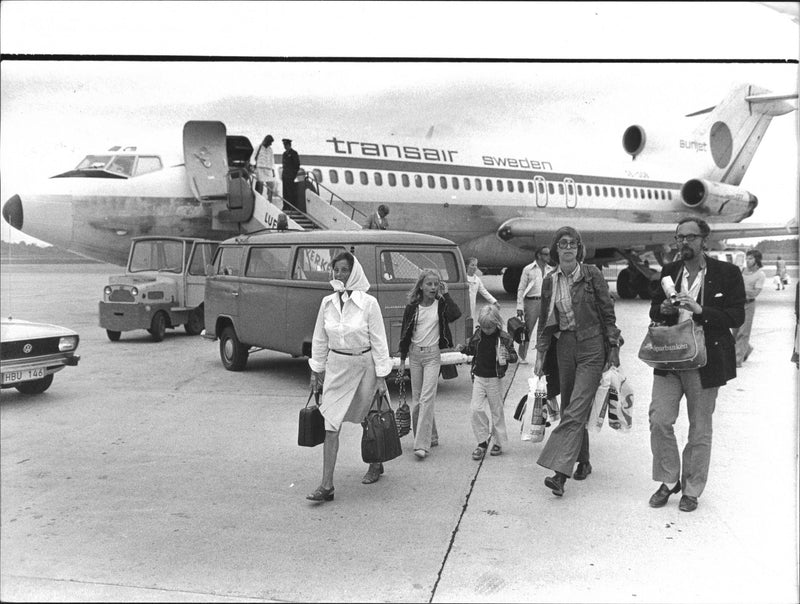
[[116, 166], [157, 255], [147, 164], [122, 164], [94, 162]]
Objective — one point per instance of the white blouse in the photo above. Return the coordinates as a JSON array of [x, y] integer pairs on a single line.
[[356, 327]]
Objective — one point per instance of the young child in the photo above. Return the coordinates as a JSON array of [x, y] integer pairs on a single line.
[[492, 349]]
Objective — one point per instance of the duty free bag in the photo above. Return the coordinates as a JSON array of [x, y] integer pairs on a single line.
[[379, 440], [311, 429]]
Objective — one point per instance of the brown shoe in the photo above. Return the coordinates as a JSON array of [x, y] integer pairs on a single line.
[[556, 483], [688, 504], [661, 496], [582, 471]]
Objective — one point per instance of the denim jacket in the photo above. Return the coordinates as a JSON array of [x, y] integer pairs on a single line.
[[591, 303], [471, 349]]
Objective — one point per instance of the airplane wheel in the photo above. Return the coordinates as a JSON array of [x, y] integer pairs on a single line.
[[624, 287], [231, 351], [113, 335], [158, 326], [36, 386], [644, 288], [511, 277], [196, 322]]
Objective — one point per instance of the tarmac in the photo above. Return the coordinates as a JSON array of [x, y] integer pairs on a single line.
[[149, 473]]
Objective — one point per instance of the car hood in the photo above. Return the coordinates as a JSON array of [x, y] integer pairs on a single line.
[[17, 329]]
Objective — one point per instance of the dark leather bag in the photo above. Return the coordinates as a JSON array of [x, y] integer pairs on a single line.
[[516, 329], [311, 430], [380, 441]]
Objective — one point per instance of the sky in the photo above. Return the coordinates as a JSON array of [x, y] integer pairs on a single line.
[[531, 86]]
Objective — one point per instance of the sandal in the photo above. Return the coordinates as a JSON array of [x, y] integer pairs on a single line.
[[321, 495], [478, 453], [373, 473], [496, 450]]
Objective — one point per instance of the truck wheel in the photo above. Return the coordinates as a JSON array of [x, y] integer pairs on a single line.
[[232, 352], [113, 335], [36, 386], [158, 326], [196, 322]]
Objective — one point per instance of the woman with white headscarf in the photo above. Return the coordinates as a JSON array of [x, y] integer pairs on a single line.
[[350, 355]]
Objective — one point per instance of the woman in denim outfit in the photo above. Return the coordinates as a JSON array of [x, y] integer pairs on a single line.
[[578, 310], [425, 331]]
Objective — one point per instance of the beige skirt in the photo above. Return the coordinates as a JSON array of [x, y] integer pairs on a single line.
[[350, 384]]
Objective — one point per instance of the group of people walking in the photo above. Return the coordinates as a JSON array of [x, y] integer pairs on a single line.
[[576, 340], [262, 162]]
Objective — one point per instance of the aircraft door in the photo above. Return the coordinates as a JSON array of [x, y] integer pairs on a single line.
[[540, 187], [206, 158], [570, 194]]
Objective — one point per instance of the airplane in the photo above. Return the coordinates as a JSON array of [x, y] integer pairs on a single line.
[[497, 203]]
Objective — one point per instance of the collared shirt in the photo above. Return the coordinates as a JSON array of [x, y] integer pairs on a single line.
[[355, 327], [685, 314], [530, 283], [476, 287], [562, 295]]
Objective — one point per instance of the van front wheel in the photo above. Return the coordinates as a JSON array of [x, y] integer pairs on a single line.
[[231, 351]]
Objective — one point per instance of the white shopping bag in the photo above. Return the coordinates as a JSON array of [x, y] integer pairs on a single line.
[[534, 415], [620, 407], [600, 405]]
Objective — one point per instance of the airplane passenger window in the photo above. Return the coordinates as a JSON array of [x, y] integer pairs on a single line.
[[588, 190], [663, 196], [478, 184], [392, 179], [635, 194], [467, 185], [670, 195], [613, 192], [147, 164], [404, 179], [348, 177], [488, 185], [570, 189], [363, 178], [580, 189], [530, 186], [541, 188], [520, 187], [550, 188], [443, 182], [510, 186], [431, 182], [418, 180], [378, 179], [499, 185], [455, 182], [317, 174], [560, 188], [605, 191], [627, 192], [649, 194], [597, 191], [334, 176]]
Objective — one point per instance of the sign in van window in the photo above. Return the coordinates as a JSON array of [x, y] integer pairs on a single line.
[[314, 263], [404, 266], [268, 262], [228, 261]]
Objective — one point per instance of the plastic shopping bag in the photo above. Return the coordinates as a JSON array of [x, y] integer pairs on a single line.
[[534, 415], [600, 404], [620, 407]]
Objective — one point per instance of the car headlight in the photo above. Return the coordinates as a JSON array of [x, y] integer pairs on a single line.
[[134, 291], [107, 290], [67, 343]]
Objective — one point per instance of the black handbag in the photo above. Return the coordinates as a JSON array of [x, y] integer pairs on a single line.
[[379, 440], [311, 430], [516, 329], [448, 372]]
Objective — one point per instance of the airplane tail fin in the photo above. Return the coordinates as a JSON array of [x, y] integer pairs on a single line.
[[735, 127]]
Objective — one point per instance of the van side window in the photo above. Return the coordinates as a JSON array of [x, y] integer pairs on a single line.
[[314, 263], [268, 262], [404, 266], [228, 261]]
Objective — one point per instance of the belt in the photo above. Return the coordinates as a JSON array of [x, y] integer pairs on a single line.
[[351, 354], [750, 300], [425, 348], [533, 297]]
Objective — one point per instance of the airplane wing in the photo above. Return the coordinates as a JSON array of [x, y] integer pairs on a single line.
[[601, 232]]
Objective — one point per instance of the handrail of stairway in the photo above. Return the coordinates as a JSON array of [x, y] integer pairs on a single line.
[[353, 209]]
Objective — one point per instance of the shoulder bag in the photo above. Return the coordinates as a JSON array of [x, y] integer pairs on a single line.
[[380, 441], [311, 430]]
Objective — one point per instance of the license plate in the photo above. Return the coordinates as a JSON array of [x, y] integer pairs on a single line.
[[24, 375]]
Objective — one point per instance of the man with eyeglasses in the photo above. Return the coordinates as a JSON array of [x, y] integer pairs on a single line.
[[710, 292], [529, 295]]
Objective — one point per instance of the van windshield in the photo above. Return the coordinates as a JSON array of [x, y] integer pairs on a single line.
[[158, 255], [404, 266]]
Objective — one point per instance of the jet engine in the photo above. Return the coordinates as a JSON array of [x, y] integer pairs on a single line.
[[633, 140], [718, 198]]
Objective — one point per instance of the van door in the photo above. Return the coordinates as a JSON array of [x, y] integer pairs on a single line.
[[201, 256], [222, 288], [263, 297]]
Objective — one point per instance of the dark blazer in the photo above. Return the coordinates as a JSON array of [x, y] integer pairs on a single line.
[[723, 310], [448, 312]]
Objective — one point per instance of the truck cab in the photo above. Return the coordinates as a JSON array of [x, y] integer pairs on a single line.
[[162, 288]]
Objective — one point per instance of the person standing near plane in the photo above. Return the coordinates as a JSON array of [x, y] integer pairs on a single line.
[[349, 362], [263, 160], [712, 293], [529, 295], [781, 276], [578, 310], [291, 166], [377, 220], [425, 331], [754, 279], [476, 287]]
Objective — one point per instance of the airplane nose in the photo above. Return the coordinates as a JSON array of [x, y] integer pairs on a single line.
[[12, 212]]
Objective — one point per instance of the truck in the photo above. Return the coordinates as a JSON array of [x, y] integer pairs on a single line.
[[162, 288]]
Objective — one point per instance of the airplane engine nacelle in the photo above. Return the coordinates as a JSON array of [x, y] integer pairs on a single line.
[[718, 198], [633, 140]]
